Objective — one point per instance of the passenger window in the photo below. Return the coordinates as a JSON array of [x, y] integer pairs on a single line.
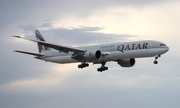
[[162, 45]]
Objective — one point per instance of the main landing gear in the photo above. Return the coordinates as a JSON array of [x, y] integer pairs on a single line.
[[83, 65], [103, 67], [155, 61]]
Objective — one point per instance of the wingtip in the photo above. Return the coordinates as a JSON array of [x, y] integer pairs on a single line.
[[16, 51], [16, 36]]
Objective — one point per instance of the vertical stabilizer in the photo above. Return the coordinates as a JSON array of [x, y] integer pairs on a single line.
[[39, 37]]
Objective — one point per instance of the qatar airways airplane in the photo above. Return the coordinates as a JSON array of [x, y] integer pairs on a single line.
[[124, 53]]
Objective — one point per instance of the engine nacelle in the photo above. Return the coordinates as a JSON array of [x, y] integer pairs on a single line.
[[93, 55], [127, 62]]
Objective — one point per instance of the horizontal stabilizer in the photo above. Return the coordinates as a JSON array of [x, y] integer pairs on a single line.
[[30, 53]]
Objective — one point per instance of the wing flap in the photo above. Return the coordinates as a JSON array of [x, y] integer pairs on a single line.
[[30, 53]]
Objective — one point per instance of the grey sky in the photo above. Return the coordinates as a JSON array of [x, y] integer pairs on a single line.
[[27, 82]]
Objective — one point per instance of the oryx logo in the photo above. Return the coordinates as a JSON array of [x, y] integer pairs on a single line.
[[41, 47], [39, 37]]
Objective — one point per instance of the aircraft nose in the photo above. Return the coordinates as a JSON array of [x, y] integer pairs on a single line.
[[164, 49], [167, 48]]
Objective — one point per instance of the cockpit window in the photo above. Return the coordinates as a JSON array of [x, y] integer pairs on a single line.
[[162, 44]]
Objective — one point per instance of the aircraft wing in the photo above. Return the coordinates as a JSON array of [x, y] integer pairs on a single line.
[[61, 48], [30, 53]]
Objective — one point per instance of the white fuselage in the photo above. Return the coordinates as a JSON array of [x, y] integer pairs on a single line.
[[111, 52]]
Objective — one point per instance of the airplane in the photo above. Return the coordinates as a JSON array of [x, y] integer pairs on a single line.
[[124, 53]]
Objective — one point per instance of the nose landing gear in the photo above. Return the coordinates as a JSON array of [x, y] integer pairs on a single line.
[[155, 61]]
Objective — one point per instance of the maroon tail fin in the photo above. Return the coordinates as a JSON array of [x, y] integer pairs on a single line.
[[39, 37]]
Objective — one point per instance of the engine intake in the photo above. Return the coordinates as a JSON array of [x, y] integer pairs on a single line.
[[127, 62], [93, 55]]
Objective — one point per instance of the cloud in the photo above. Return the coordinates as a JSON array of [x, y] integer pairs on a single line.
[[27, 82], [75, 35], [37, 11]]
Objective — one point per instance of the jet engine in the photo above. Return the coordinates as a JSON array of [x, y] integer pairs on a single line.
[[126, 62], [93, 55]]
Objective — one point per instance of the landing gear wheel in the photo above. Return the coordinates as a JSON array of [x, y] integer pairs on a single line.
[[83, 65], [155, 62], [102, 68], [99, 70], [87, 64], [79, 66]]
